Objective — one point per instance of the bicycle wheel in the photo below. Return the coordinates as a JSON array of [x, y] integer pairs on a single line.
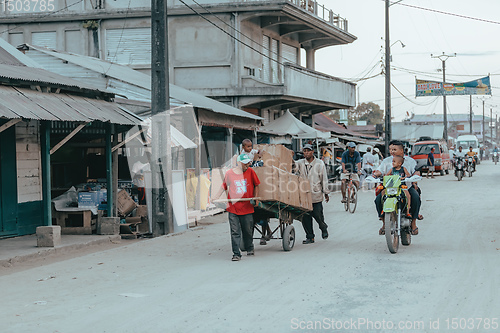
[[347, 194], [353, 198]]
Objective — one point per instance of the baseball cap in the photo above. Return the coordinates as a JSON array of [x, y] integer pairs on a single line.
[[351, 144], [243, 158], [307, 146]]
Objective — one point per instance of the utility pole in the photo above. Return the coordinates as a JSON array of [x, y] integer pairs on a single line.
[[443, 57], [491, 125], [161, 163], [470, 114], [388, 132], [482, 128]]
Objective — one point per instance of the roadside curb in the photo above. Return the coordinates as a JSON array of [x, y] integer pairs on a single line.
[[49, 251]]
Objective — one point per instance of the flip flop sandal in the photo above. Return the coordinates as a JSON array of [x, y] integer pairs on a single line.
[[414, 232], [381, 231], [420, 217]]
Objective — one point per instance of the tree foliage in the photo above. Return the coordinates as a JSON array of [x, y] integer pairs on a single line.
[[369, 112]]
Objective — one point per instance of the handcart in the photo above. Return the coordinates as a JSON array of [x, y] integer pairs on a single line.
[[285, 214]]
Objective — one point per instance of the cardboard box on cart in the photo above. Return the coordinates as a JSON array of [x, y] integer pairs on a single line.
[[269, 183], [276, 155], [305, 194]]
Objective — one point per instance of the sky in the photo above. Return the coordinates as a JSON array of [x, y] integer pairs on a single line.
[[424, 33]]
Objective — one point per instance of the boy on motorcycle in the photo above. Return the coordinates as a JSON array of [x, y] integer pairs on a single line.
[[400, 170], [473, 154]]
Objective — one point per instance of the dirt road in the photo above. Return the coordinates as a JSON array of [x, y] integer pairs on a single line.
[[350, 282]]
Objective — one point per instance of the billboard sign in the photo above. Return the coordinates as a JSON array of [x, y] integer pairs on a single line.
[[434, 88]]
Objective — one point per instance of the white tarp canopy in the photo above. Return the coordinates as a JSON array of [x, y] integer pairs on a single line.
[[177, 137], [288, 124]]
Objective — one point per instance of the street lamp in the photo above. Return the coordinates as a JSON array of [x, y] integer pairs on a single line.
[[388, 130], [443, 57], [402, 45]]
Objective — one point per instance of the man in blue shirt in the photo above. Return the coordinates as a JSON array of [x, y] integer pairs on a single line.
[[430, 163], [351, 163]]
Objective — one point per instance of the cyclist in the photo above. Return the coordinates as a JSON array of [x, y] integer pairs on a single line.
[[351, 163]]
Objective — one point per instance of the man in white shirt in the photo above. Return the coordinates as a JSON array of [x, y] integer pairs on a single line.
[[368, 165], [396, 148], [460, 152], [314, 170]]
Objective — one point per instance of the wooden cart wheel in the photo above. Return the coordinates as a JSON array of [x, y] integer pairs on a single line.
[[288, 238]]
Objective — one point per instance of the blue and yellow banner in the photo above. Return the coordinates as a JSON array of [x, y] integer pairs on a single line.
[[434, 88]]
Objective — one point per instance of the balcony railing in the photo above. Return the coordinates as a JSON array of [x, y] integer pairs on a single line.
[[305, 83], [322, 12]]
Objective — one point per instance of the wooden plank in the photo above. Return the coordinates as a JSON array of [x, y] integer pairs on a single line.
[[27, 145], [28, 156], [26, 173], [67, 138], [29, 197], [127, 140], [8, 124], [28, 181], [27, 164]]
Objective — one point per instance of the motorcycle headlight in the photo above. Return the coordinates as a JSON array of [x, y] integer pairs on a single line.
[[392, 191]]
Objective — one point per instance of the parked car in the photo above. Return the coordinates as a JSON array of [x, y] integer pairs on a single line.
[[442, 161]]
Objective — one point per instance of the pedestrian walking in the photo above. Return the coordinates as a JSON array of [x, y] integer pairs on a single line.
[[315, 171], [430, 163], [241, 184]]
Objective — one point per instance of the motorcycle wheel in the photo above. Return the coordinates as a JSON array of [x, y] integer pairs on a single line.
[[391, 234], [470, 171], [354, 200], [459, 175], [406, 236]]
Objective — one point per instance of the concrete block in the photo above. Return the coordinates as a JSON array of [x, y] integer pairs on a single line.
[[48, 236], [108, 225]]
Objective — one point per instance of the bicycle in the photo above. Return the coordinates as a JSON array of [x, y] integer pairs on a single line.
[[352, 196]]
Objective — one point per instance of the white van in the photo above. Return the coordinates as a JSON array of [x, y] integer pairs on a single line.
[[467, 141]]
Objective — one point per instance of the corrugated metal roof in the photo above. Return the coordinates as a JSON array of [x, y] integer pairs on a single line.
[[327, 124], [31, 104], [460, 117], [402, 131], [136, 78], [9, 55], [40, 76]]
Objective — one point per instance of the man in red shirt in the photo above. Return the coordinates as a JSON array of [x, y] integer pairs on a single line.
[[241, 183]]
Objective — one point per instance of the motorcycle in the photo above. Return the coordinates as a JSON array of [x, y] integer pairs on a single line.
[[394, 202], [495, 157], [459, 168], [470, 165]]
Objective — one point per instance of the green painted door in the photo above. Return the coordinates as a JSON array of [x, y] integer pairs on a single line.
[[8, 183]]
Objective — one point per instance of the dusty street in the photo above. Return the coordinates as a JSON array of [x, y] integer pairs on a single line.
[[187, 283]]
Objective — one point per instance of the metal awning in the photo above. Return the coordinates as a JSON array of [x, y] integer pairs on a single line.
[[31, 104]]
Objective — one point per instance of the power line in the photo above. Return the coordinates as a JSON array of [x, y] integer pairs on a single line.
[[445, 13], [121, 36], [239, 40], [239, 32], [399, 91]]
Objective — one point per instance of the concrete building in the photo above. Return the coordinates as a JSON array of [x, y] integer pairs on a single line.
[[244, 53], [458, 124]]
